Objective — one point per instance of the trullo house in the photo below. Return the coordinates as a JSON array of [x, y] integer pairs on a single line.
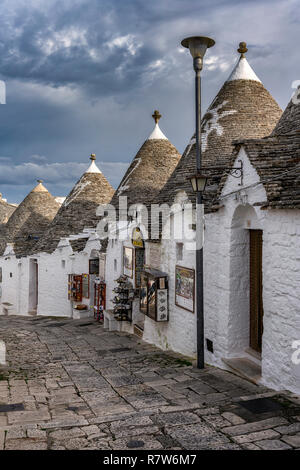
[[251, 240]]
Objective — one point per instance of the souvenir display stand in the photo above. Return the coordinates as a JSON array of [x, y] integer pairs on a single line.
[[99, 299], [123, 299], [154, 294]]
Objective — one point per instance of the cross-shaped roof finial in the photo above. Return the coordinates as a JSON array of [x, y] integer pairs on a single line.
[[156, 116]]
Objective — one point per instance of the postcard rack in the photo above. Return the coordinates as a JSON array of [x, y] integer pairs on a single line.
[[123, 299]]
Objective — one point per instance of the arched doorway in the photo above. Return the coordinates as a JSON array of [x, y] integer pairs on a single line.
[[245, 325]]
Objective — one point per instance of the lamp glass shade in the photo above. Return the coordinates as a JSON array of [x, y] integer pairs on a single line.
[[197, 45], [198, 182]]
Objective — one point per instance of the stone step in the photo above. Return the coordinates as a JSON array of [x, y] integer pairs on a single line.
[[7, 308], [245, 368], [32, 312], [79, 314]]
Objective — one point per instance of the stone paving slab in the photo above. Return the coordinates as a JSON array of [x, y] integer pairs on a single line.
[[83, 387], [273, 444]]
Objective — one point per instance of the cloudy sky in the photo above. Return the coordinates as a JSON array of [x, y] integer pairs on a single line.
[[84, 76]]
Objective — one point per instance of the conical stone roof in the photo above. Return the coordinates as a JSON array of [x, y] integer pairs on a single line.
[[78, 211], [149, 170], [276, 159], [243, 108], [290, 119], [30, 220]]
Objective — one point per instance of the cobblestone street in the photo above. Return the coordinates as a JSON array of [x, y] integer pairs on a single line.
[[72, 385]]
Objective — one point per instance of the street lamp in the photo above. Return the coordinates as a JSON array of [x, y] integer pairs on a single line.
[[198, 46], [198, 182]]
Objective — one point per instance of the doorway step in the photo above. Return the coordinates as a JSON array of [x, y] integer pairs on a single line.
[[32, 312], [79, 314], [244, 367], [110, 322]]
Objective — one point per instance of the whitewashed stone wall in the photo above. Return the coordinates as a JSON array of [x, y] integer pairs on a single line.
[[54, 269], [179, 333], [226, 284], [281, 298], [15, 285], [114, 268], [53, 282]]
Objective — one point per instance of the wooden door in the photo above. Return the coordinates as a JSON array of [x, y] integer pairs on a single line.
[[256, 304]]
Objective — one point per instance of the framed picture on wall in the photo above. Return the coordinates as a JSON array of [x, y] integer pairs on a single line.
[[94, 266], [128, 261], [185, 288]]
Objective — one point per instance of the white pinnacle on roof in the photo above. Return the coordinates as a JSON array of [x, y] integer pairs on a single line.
[[243, 71], [157, 133], [93, 167], [40, 188]]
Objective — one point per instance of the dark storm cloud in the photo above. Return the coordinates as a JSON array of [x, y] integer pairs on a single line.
[[75, 44], [84, 76]]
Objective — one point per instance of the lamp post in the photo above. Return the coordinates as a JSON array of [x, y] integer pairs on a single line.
[[198, 46]]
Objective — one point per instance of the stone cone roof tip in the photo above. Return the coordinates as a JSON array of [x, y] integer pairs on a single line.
[[149, 170], [243, 71], [242, 109], [39, 188], [157, 133], [93, 167], [78, 211]]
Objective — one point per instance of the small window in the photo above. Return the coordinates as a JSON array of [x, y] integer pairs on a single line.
[[115, 265], [63, 263], [179, 251], [209, 345]]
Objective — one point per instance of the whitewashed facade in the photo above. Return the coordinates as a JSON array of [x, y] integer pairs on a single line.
[[244, 207], [226, 290], [37, 284]]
